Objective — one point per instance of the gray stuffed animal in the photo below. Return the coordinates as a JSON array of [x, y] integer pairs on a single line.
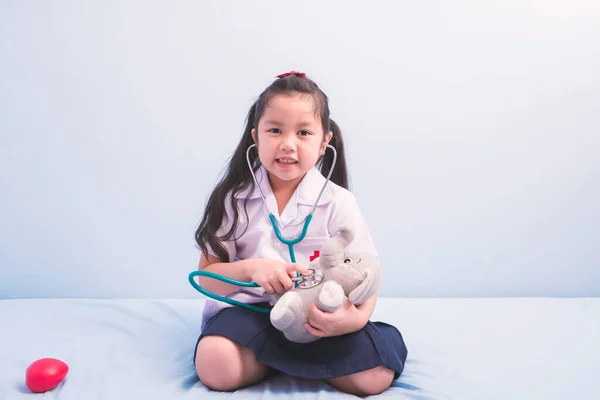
[[337, 275]]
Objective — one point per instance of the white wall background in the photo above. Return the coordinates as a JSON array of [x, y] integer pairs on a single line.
[[472, 129]]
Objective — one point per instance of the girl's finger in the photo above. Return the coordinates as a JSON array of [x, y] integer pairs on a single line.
[[285, 280], [313, 331], [277, 286], [268, 288], [315, 315], [293, 267]]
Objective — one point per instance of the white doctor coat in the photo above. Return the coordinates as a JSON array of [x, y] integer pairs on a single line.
[[255, 237]]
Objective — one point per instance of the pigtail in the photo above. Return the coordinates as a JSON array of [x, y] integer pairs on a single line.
[[236, 179], [339, 175]]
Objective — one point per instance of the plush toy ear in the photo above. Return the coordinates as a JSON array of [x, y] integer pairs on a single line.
[[345, 235], [364, 291], [332, 253]]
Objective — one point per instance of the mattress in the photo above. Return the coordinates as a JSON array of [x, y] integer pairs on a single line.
[[512, 348]]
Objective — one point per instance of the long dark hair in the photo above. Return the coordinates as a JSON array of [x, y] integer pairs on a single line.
[[237, 176]]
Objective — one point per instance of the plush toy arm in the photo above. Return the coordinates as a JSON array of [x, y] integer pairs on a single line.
[[365, 290], [286, 311], [331, 297]]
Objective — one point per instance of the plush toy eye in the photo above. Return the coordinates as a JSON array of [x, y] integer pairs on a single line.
[[347, 260]]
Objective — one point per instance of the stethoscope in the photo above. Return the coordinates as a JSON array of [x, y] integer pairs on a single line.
[[302, 281]]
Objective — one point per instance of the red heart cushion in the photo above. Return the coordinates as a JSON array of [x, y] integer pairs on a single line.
[[45, 374]]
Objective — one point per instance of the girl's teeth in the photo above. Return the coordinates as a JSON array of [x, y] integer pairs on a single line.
[[286, 161]]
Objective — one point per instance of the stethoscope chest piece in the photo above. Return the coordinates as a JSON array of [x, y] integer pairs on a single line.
[[309, 281]]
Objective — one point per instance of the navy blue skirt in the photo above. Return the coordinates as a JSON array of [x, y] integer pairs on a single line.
[[376, 344]]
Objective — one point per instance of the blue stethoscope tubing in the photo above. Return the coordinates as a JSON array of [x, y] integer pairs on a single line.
[[215, 296], [289, 242]]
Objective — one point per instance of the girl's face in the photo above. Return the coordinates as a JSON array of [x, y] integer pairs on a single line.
[[289, 138]]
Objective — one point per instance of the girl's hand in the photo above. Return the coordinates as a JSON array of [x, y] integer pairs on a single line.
[[275, 276], [345, 319]]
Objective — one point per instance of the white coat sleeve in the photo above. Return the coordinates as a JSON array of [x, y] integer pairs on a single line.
[[346, 211]]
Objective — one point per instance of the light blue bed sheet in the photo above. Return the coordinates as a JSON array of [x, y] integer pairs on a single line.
[[468, 349]]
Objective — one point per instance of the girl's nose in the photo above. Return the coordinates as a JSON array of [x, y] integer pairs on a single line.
[[288, 142]]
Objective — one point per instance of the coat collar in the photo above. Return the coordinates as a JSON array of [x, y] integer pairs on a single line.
[[305, 194]]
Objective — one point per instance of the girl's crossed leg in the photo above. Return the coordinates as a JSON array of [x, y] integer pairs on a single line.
[[365, 383], [223, 365]]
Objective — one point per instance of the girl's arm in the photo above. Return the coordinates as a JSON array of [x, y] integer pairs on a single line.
[[348, 318], [366, 310], [238, 270], [272, 275]]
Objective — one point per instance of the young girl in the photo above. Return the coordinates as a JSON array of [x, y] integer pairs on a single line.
[[292, 131]]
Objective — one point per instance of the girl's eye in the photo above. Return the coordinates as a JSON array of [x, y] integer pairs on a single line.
[[304, 133], [275, 130]]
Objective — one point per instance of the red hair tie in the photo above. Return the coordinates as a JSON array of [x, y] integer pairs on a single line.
[[298, 74]]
